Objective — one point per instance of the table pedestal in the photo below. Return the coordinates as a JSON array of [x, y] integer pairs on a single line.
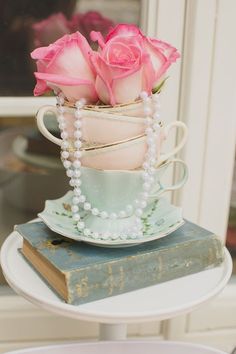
[[108, 331]]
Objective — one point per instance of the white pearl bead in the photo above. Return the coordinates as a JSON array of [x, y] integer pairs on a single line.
[[147, 110], [146, 186], [77, 134], [148, 131], [113, 216], [148, 121], [143, 204], [77, 173], [106, 235], [65, 154], [64, 135], [104, 215], [145, 175], [78, 123], [145, 165], [76, 164], [95, 235], [87, 232], [64, 145], [80, 225], [145, 195], [69, 173], [77, 192], [72, 182], [78, 154], [138, 222], [66, 164], [136, 202], [80, 103], [76, 217], [122, 214], [129, 208], [75, 200], [152, 151], [77, 182], [152, 161], [138, 212], [123, 236], [95, 211], [133, 235], [82, 198], [150, 140], [143, 95], [87, 206], [151, 170], [151, 179], [74, 208], [77, 144], [62, 125], [156, 115], [156, 126], [78, 114], [60, 119], [114, 236]]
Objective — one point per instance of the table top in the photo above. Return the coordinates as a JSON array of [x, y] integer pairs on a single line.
[[157, 302], [124, 347]]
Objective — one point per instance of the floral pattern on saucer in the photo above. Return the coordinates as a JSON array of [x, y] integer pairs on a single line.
[[159, 219]]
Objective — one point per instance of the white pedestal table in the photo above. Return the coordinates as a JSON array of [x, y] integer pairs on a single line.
[[159, 302]]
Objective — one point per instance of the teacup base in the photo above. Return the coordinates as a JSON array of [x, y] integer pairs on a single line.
[[159, 219]]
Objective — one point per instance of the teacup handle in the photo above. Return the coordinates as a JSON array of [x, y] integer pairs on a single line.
[[42, 128], [164, 188], [178, 147]]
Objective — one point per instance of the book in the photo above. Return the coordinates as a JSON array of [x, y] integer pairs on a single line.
[[80, 272]]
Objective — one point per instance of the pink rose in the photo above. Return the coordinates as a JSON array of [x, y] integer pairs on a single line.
[[66, 65], [161, 54], [49, 30], [91, 20], [123, 68]]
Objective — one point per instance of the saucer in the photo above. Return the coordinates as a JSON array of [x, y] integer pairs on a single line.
[[159, 219], [19, 147]]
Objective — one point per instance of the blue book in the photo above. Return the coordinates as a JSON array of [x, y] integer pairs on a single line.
[[80, 273]]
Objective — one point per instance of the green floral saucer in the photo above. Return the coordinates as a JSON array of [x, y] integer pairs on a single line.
[[159, 219]]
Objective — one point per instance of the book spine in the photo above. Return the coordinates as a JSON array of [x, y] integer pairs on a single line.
[[103, 280]]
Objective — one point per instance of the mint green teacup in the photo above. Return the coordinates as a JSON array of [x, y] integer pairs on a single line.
[[112, 191]]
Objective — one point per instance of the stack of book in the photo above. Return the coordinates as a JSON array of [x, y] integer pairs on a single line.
[[80, 272]]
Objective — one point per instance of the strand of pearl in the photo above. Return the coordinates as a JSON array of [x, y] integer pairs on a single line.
[[73, 170]]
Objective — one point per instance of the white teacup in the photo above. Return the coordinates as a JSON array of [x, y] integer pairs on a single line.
[[100, 124]]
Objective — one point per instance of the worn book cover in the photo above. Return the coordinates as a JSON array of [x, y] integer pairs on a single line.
[[81, 273]]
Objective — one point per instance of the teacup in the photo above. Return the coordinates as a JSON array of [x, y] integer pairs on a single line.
[[100, 124], [114, 155], [113, 190], [127, 155]]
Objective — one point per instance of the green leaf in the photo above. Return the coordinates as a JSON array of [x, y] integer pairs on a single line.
[[159, 87]]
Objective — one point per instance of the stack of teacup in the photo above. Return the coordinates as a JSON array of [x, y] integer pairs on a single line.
[[114, 157]]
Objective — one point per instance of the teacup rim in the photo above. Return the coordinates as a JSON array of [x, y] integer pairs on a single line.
[[100, 107], [137, 171]]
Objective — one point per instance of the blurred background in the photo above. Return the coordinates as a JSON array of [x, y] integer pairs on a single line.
[[200, 92]]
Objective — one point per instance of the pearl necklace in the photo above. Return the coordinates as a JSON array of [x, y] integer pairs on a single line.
[[73, 170]]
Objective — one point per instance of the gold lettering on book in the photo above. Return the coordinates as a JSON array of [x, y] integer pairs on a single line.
[[110, 280], [121, 279], [82, 288]]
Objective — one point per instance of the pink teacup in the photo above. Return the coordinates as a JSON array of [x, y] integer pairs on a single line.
[[101, 124]]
